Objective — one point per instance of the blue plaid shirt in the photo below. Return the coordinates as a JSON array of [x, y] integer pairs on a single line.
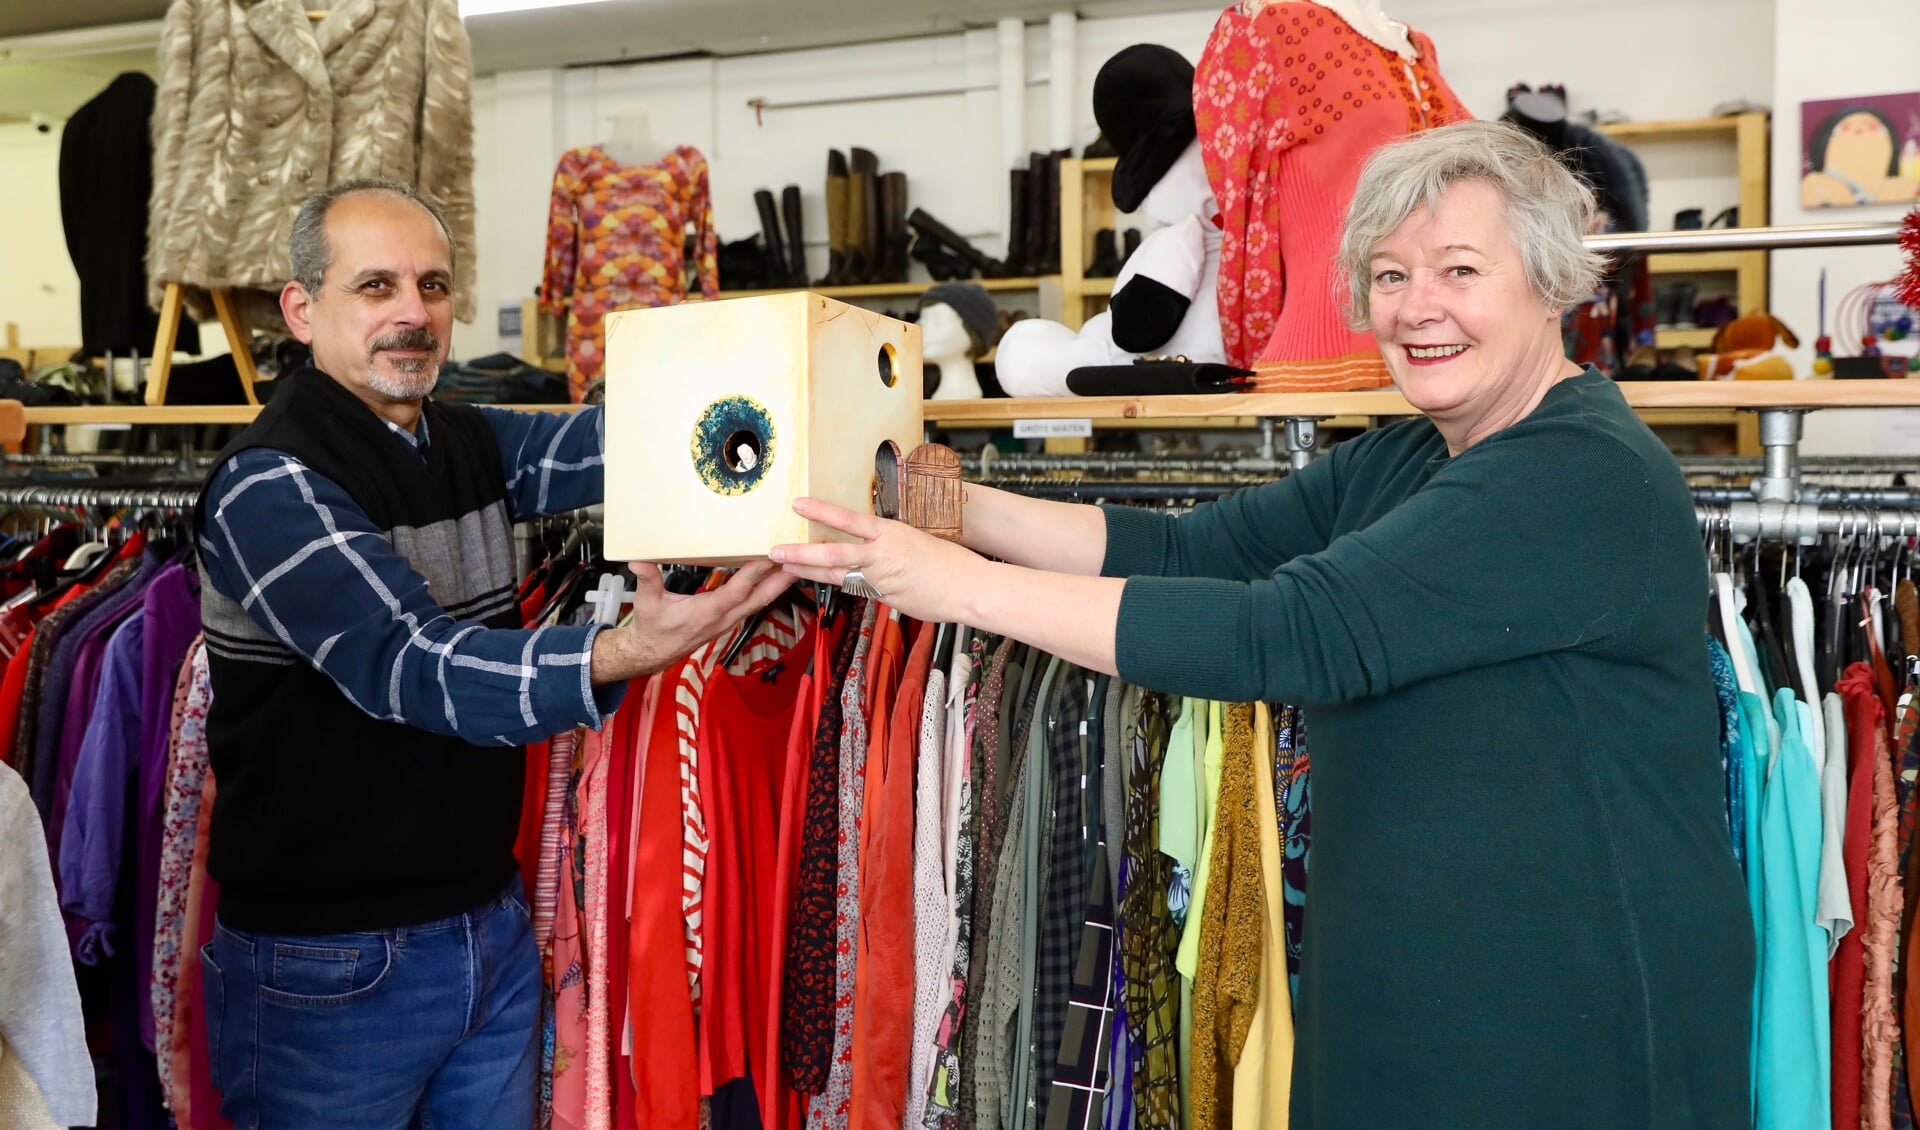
[[316, 572]]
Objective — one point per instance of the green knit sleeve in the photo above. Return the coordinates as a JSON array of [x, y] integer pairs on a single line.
[[1529, 543]]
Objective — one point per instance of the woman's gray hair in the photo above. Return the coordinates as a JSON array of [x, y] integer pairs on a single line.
[[1549, 210], [307, 249]]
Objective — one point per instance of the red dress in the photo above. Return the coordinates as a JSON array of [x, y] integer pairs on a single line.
[[1289, 103]]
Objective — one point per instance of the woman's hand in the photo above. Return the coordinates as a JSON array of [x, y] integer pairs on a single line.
[[916, 574]]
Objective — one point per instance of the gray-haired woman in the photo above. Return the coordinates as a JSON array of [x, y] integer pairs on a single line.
[[1524, 909]]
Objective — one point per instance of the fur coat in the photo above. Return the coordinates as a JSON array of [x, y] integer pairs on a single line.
[[259, 107]]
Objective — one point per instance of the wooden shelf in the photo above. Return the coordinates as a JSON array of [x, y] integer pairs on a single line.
[[1098, 164], [1694, 396], [1675, 338], [1683, 128], [885, 290], [122, 414], [1096, 288]]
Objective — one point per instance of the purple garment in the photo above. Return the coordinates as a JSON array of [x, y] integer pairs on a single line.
[[91, 647], [57, 681], [92, 847], [172, 616]]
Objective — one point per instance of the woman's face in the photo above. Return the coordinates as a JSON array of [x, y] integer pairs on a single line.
[[1463, 335]]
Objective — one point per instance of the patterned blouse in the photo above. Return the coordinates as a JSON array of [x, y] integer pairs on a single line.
[[617, 239]]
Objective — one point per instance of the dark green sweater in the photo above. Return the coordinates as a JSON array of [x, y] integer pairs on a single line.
[[1523, 909]]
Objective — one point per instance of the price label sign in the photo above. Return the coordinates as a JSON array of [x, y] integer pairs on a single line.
[[1051, 429]]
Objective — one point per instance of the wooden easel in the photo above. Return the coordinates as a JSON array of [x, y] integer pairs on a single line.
[[171, 309]]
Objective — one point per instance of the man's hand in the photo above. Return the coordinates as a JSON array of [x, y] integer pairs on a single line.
[[667, 625]]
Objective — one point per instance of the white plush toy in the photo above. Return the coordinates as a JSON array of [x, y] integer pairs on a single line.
[[1163, 300]]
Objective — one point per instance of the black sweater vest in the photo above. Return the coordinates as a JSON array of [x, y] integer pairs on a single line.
[[326, 819]]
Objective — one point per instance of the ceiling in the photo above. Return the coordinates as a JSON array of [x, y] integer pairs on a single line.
[[55, 56]]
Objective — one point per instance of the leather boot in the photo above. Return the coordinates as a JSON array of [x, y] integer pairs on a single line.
[[796, 238], [1017, 248], [1051, 263], [893, 227], [770, 231], [836, 219], [933, 230], [1106, 256], [1131, 243], [1036, 260], [863, 220]]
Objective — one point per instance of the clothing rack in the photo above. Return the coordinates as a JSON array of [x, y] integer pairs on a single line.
[[159, 496]]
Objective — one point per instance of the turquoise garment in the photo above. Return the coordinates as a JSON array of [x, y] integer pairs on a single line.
[[1765, 690], [1790, 1073], [1753, 763]]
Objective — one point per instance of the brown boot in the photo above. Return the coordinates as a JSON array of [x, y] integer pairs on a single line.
[[893, 227], [1017, 247], [863, 219], [836, 220], [1050, 259]]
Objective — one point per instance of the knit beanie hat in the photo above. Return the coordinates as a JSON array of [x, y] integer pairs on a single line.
[[974, 305]]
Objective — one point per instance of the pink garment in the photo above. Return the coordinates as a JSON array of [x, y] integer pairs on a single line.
[[546, 888], [568, 972], [1885, 900], [599, 1023], [830, 1109], [180, 815], [197, 1105]]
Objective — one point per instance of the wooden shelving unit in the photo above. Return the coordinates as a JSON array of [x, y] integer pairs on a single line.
[[1686, 401], [1748, 134], [1086, 206], [888, 290], [127, 414]]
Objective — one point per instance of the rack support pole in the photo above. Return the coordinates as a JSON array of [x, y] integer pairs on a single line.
[[1301, 437], [1780, 432]]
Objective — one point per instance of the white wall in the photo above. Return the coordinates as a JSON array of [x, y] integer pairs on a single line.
[[38, 289], [1869, 52], [1642, 57], [949, 144]]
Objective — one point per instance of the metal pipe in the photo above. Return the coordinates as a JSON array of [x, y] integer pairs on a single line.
[[1798, 521], [1300, 441], [1749, 239], [1779, 479]]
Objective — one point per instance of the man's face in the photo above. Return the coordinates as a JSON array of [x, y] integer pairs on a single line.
[[383, 316]]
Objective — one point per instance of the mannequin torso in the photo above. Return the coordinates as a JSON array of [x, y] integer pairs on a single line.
[[632, 141]]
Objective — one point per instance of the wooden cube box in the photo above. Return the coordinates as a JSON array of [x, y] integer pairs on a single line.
[[720, 414]]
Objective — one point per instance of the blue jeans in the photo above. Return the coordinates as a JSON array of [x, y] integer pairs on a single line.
[[429, 1026]]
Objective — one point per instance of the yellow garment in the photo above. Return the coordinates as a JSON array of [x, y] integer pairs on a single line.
[[1208, 753], [22, 1107], [1263, 1080], [1231, 930]]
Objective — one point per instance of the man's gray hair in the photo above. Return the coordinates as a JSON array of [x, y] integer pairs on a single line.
[[1549, 210], [307, 246]]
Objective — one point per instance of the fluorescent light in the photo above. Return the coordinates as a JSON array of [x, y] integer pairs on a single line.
[[472, 8]]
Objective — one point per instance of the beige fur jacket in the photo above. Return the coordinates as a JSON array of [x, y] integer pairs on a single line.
[[259, 107]]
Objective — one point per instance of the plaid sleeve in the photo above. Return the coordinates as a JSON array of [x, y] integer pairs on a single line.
[[310, 568], [553, 459]]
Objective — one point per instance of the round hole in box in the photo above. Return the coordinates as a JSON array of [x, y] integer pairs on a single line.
[[888, 375], [741, 451]]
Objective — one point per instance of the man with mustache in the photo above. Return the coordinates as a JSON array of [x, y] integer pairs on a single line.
[[374, 965]]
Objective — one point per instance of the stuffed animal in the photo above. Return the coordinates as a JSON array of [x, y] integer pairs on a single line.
[[1163, 299], [1744, 350]]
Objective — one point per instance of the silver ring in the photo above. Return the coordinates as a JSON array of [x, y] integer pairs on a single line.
[[855, 583]]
